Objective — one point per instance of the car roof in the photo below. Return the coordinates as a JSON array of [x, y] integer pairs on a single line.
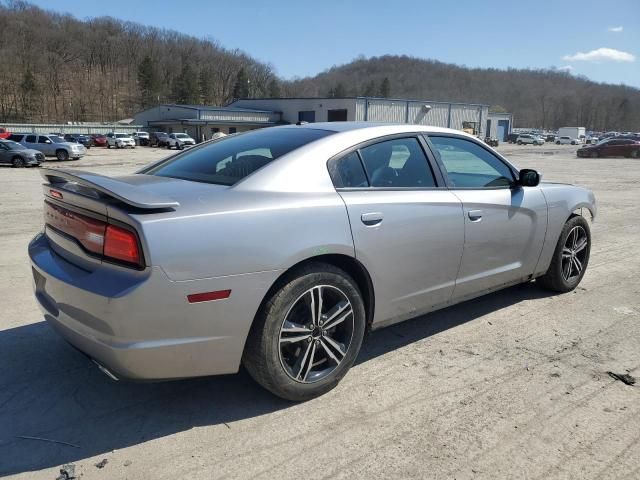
[[351, 126]]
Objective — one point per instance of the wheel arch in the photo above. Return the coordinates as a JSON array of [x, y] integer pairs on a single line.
[[349, 264]]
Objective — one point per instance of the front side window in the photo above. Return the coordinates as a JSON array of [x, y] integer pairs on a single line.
[[468, 165], [397, 163], [229, 160]]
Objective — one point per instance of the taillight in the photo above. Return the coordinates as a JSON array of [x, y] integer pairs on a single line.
[[121, 244], [96, 236]]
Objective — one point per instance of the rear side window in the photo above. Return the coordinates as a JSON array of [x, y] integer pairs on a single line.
[[230, 159], [31, 139], [16, 138], [397, 163], [347, 172]]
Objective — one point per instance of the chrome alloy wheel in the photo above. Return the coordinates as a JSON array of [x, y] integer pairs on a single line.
[[316, 334], [574, 253]]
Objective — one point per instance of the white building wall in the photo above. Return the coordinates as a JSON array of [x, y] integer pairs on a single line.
[[291, 106]]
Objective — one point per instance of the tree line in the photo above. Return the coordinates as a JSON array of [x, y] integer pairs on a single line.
[[543, 98], [57, 68]]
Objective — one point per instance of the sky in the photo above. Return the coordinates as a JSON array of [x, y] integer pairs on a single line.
[[600, 40]]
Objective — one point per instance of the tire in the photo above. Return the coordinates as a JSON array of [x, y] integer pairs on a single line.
[[558, 143], [18, 162], [594, 155], [179, 146], [635, 154], [108, 145], [62, 155], [519, 142], [283, 367], [564, 274]]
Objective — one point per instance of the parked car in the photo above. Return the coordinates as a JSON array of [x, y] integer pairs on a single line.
[[18, 155], [179, 141], [550, 138], [512, 138], [4, 133], [612, 147], [120, 140], [567, 141], [79, 138], [99, 140], [141, 138], [278, 248], [50, 145], [158, 139], [592, 140], [529, 139], [491, 141]]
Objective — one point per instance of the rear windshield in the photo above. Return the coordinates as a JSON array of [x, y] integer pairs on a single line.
[[121, 135], [230, 159]]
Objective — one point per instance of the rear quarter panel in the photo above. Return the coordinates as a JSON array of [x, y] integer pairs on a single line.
[[249, 232]]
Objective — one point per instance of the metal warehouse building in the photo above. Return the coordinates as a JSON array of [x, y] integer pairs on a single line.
[[249, 113]]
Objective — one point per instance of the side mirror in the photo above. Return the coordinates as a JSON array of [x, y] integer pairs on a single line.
[[528, 178]]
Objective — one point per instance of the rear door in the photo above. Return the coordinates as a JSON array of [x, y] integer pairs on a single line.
[[407, 227], [505, 225]]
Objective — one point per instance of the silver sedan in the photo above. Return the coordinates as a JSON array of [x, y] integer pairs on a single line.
[[278, 248]]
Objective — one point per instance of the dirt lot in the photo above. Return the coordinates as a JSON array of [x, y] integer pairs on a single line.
[[512, 385]]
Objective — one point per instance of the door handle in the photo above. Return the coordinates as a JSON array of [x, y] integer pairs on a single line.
[[371, 219], [475, 215]]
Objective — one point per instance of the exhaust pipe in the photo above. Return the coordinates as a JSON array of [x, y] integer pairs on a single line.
[[105, 370]]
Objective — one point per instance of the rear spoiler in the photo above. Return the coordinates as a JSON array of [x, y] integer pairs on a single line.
[[111, 187]]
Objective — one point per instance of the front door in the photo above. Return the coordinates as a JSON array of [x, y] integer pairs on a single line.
[[408, 230], [505, 225]]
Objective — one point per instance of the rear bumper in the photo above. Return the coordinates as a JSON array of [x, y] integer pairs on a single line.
[[139, 325]]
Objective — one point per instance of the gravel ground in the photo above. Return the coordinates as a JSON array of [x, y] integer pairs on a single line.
[[512, 385]]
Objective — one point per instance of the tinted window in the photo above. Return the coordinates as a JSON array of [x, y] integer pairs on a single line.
[[42, 139], [469, 165], [31, 139], [16, 137], [230, 159], [397, 163], [347, 172]]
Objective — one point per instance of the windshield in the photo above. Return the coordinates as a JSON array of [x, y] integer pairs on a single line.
[[14, 146], [182, 135], [230, 159]]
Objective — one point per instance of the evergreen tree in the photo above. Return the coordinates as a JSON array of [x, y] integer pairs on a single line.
[[370, 89], [186, 88], [148, 82], [385, 88], [206, 87], [241, 87], [28, 94]]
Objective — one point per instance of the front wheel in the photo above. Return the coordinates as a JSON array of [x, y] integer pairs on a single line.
[[62, 155], [519, 142], [308, 334], [570, 258]]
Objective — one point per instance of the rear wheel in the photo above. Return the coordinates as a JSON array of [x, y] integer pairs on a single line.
[[570, 258], [18, 162], [308, 334], [62, 155]]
